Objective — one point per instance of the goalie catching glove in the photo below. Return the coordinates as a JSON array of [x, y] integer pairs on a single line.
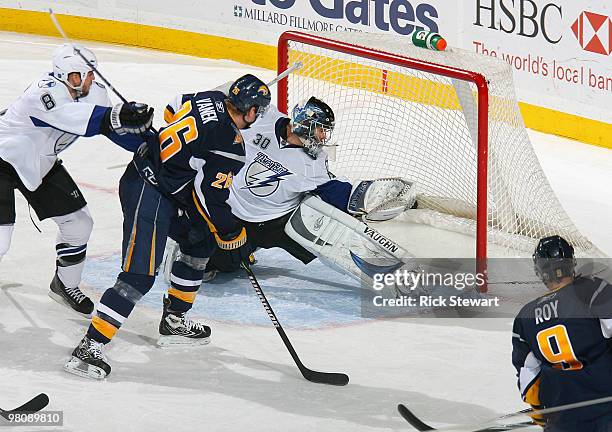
[[131, 118], [236, 244], [382, 199]]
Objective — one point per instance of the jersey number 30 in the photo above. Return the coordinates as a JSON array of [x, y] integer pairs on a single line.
[[182, 130], [555, 346]]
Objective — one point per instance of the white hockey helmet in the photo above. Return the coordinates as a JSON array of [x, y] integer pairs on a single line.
[[66, 60]]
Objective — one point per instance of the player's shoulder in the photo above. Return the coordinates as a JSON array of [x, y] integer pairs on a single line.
[[209, 107], [47, 93], [593, 290], [215, 97], [43, 95]]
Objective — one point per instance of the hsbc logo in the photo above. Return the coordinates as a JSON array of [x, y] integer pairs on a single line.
[[594, 32]]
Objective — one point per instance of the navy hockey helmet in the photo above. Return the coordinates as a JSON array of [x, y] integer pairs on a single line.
[[553, 259], [249, 91], [306, 118]]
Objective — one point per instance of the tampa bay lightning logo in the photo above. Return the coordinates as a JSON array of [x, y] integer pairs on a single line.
[[46, 83], [63, 142], [263, 176]]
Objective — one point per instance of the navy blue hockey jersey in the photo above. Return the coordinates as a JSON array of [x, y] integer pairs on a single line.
[[200, 151], [562, 349]]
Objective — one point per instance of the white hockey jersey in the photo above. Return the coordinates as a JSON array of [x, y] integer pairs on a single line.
[[43, 122], [276, 174]]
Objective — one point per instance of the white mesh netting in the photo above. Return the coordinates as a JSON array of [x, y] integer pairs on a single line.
[[396, 121]]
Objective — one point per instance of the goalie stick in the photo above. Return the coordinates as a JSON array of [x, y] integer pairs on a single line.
[[418, 424], [338, 379], [35, 404]]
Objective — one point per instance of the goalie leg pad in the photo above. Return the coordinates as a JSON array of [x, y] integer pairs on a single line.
[[344, 242]]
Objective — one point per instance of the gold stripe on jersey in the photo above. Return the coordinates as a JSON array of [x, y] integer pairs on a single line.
[[152, 256], [211, 226]]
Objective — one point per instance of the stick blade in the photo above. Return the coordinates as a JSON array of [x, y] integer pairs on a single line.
[[35, 404], [337, 379], [412, 419]]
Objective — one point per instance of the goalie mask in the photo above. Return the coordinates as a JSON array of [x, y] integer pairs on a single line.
[[66, 61], [554, 259], [313, 122]]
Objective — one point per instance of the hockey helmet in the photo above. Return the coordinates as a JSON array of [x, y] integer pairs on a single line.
[[306, 117], [249, 91], [66, 60], [553, 259]]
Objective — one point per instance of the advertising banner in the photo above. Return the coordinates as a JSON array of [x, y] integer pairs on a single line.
[[561, 51]]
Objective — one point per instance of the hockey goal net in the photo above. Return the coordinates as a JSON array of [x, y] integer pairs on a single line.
[[447, 120]]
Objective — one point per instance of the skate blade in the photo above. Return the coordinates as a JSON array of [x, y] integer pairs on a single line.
[[78, 367], [58, 298], [181, 341]]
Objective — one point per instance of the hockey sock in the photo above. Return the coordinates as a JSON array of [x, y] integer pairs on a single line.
[[71, 245], [70, 263], [6, 232], [116, 305], [185, 282]]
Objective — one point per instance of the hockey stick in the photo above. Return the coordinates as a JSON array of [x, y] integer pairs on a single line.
[[284, 73], [35, 404], [78, 51], [338, 379], [421, 426]]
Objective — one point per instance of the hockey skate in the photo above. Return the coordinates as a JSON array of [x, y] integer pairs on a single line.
[[88, 361], [70, 297], [177, 330]]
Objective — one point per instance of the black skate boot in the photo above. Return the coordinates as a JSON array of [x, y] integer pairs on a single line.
[[71, 297], [176, 329], [88, 361]]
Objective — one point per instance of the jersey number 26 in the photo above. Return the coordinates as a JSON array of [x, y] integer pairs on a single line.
[[182, 130]]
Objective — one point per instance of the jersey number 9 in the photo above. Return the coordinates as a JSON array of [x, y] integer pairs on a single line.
[[555, 346]]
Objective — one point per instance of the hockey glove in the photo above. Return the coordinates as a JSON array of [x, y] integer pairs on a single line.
[[237, 245], [131, 118]]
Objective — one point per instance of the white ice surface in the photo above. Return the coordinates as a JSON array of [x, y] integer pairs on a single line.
[[447, 370]]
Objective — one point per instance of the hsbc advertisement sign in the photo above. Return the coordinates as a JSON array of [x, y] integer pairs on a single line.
[[594, 32], [560, 50]]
